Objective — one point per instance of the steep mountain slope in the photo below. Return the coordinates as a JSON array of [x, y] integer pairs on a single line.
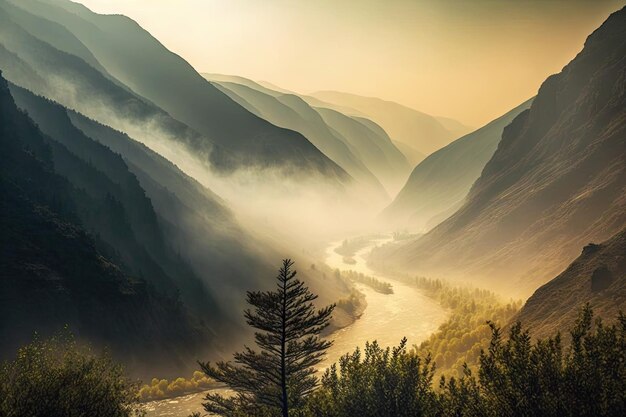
[[53, 273], [347, 140], [419, 130], [194, 220], [171, 83], [372, 144], [597, 277], [556, 181], [441, 182], [69, 80], [291, 112], [115, 208]]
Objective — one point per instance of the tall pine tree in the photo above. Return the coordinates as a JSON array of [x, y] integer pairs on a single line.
[[281, 374]]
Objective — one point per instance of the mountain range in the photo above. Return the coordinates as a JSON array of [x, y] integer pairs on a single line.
[[556, 181], [358, 145], [416, 130]]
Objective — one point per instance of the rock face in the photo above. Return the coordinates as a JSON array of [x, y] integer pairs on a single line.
[[596, 277], [441, 182], [556, 181]]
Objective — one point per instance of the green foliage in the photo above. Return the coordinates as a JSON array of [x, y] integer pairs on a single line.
[[519, 378], [375, 284], [57, 378], [276, 379], [353, 304], [376, 383], [159, 389], [461, 338], [515, 377]]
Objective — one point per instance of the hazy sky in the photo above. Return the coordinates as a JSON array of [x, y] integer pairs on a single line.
[[470, 60]]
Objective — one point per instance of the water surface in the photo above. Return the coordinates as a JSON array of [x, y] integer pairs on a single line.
[[388, 318]]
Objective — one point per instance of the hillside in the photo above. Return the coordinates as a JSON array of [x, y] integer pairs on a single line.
[[439, 184], [597, 277], [357, 144], [556, 182], [166, 80], [418, 130], [291, 112], [55, 273]]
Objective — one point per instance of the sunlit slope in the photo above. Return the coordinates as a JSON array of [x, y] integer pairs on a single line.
[[441, 182], [291, 112], [419, 130], [71, 81], [57, 271], [597, 277], [168, 81], [556, 182]]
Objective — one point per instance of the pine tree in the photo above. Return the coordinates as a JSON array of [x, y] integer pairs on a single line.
[[277, 378]]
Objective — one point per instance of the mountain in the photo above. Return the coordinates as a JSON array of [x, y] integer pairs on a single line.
[[418, 130], [597, 277], [155, 224], [169, 82], [291, 112], [38, 65], [439, 184], [54, 271], [556, 181], [358, 145]]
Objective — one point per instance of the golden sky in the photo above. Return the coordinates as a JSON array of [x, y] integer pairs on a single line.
[[471, 60]]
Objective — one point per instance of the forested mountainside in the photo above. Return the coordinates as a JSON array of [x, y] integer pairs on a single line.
[[556, 182], [56, 272], [439, 184], [122, 216], [164, 79], [597, 277]]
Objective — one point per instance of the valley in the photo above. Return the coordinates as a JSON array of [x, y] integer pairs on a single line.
[[408, 312], [313, 209]]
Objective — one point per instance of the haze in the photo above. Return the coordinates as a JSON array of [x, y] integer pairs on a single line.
[[445, 58]]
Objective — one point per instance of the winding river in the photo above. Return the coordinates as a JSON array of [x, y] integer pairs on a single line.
[[388, 318]]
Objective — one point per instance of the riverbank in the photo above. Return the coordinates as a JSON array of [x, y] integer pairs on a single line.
[[407, 312]]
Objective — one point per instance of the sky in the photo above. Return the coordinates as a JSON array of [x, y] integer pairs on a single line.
[[468, 60]]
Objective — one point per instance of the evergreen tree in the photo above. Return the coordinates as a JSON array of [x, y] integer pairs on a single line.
[[277, 378]]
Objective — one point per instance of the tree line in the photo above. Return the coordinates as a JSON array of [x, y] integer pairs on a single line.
[[514, 375]]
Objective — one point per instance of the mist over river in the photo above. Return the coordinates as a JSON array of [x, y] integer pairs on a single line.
[[388, 318]]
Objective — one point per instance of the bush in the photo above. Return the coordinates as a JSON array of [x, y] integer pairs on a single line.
[[515, 377], [58, 378]]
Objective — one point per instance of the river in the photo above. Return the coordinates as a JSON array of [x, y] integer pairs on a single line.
[[388, 318]]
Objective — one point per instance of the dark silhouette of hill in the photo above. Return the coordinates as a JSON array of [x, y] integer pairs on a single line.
[[55, 273], [439, 184], [195, 221], [114, 205], [555, 183], [597, 277], [169, 82]]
